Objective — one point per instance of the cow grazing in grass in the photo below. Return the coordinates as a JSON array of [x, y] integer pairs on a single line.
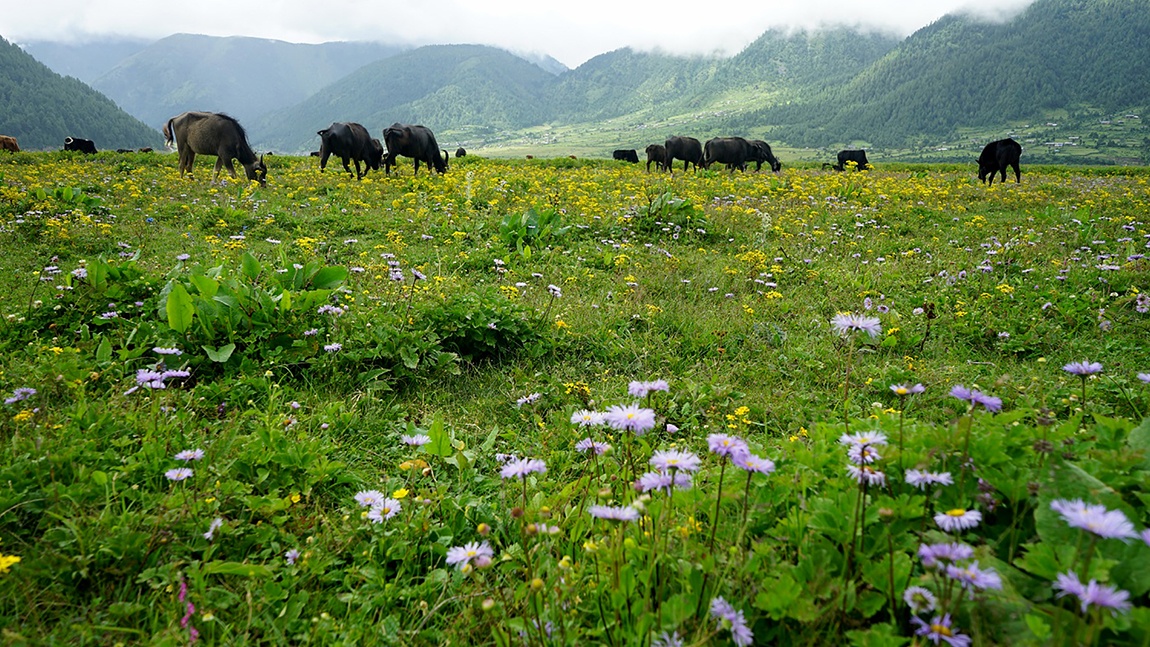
[[856, 156], [85, 146], [350, 142], [9, 144], [735, 152], [656, 153], [687, 149], [459, 152], [996, 157], [762, 153], [626, 155], [416, 142], [210, 133]]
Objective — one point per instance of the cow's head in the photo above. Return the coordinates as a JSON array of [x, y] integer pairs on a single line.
[[375, 155], [258, 171]]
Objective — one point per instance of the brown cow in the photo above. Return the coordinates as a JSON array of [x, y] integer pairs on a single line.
[[207, 133], [9, 144]]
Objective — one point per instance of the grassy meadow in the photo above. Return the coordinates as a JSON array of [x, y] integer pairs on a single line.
[[567, 402]]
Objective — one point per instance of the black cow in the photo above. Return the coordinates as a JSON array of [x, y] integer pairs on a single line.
[[858, 157], [212, 133], [735, 152], [656, 153], [80, 145], [416, 142], [626, 155], [996, 157], [350, 142], [762, 154], [687, 149], [459, 152]]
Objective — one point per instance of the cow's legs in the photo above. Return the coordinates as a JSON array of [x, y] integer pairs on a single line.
[[231, 168], [1017, 173]]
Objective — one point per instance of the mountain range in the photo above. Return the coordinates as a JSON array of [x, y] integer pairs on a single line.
[[958, 79]]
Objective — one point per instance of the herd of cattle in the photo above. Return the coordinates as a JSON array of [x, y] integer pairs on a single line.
[[217, 134]]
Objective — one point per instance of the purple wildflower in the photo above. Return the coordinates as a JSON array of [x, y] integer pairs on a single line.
[[847, 324], [675, 460], [523, 467], [732, 619], [20, 394], [958, 519], [727, 446], [933, 555], [922, 480], [902, 389], [587, 444], [461, 556], [614, 513], [213, 527], [179, 473], [1082, 369], [630, 418], [973, 577], [585, 418], [418, 440], [919, 599], [291, 556], [190, 455], [1095, 518], [939, 629]]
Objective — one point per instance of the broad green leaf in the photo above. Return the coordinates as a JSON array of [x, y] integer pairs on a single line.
[[104, 351], [329, 278], [180, 309], [440, 444], [206, 286], [249, 266], [220, 355]]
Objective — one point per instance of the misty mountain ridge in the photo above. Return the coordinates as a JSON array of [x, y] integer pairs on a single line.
[[41, 108], [823, 88]]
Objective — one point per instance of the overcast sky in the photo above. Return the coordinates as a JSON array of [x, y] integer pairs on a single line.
[[572, 31]]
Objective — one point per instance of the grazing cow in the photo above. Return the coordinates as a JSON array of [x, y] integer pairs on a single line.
[[858, 157], [80, 145], [314, 154], [146, 149], [687, 149], [656, 153], [735, 152], [459, 152], [571, 157], [762, 154], [350, 142], [416, 142], [9, 144], [210, 133], [124, 150], [626, 155], [530, 157], [996, 157]]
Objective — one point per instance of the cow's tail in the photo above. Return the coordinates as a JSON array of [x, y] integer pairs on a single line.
[[169, 132], [444, 160]]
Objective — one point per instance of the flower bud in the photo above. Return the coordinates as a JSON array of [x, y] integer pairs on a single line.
[[483, 529], [537, 584], [516, 512], [488, 604]]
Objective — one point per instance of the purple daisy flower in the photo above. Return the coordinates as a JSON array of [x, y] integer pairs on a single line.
[[385, 509], [751, 463], [675, 460], [732, 619], [291, 556], [867, 474], [922, 480], [973, 577], [461, 556], [847, 324], [1092, 593], [934, 555], [903, 389], [1095, 518], [179, 473], [585, 418], [630, 418], [587, 445], [418, 440], [1082, 369], [727, 446], [940, 629], [613, 513], [369, 498], [958, 519], [190, 455], [863, 438], [919, 599], [523, 467]]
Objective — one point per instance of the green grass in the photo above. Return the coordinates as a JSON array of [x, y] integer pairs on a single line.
[[722, 285]]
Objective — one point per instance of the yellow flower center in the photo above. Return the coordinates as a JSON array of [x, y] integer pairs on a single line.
[[957, 512], [941, 630]]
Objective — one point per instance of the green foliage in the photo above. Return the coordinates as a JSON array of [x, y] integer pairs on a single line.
[[533, 227], [483, 325], [40, 108]]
